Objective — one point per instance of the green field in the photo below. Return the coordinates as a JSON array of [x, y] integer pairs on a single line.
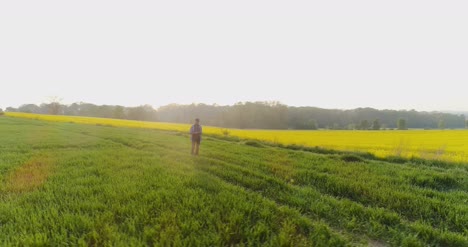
[[71, 184]]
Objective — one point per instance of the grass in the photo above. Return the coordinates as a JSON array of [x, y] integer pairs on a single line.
[[87, 185], [444, 145]]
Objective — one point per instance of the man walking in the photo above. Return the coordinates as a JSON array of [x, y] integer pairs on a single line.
[[196, 132]]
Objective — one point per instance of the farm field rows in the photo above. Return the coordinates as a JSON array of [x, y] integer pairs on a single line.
[[447, 145], [77, 184]]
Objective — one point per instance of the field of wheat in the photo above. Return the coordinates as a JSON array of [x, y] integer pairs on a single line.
[[70, 184]]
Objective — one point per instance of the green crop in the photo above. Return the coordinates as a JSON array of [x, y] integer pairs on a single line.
[[71, 184]]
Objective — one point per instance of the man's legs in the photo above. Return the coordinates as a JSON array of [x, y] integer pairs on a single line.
[[197, 146], [193, 147]]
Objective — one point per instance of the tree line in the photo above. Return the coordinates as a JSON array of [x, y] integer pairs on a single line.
[[259, 115], [142, 113]]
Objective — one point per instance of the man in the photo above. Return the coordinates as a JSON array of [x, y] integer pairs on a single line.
[[196, 132]]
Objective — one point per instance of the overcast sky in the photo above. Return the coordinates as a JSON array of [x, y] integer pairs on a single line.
[[400, 54]]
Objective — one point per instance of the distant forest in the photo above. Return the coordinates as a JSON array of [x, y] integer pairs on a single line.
[[259, 115]]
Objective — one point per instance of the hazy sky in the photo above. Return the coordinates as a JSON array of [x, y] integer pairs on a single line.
[[399, 54]]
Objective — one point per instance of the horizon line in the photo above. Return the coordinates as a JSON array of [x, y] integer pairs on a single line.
[[453, 111]]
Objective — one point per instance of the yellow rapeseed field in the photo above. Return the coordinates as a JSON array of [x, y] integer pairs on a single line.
[[449, 145]]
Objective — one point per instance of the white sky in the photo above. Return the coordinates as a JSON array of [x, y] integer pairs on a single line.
[[400, 54]]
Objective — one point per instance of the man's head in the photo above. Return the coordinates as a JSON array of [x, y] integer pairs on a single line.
[[197, 121]]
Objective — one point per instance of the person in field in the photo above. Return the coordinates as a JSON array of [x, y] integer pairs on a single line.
[[196, 132]]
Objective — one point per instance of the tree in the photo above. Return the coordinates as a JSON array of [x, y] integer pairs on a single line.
[[143, 113], [54, 107], [119, 112], [336, 126], [312, 125], [29, 108], [401, 124], [466, 123], [11, 109], [376, 124], [73, 110], [364, 125], [442, 124], [1, 111]]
